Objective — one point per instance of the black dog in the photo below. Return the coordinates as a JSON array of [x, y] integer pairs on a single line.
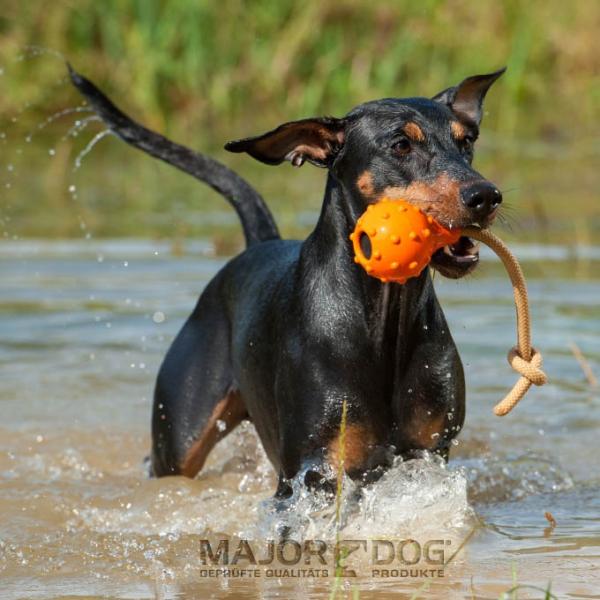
[[288, 330]]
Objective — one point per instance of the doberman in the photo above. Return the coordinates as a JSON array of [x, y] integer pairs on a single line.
[[288, 330]]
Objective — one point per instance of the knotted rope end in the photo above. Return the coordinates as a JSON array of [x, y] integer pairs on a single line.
[[531, 374]]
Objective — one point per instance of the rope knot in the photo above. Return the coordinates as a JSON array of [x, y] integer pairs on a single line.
[[531, 369], [531, 373]]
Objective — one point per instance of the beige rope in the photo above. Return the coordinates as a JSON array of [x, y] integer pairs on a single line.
[[523, 357]]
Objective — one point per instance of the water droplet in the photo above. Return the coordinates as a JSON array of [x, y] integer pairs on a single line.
[[125, 263], [158, 317], [72, 189], [52, 152]]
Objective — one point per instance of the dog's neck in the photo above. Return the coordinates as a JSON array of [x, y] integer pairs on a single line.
[[389, 309]]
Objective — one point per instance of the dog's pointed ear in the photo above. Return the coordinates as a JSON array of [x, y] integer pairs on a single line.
[[314, 140], [466, 98]]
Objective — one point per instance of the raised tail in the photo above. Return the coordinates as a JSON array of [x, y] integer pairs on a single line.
[[257, 221]]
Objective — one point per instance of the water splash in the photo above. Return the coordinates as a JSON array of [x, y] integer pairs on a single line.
[[79, 126], [32, 51], [90, 146], [416, 497], [422, 495], [233, 494], [61, 113], [307, 513]]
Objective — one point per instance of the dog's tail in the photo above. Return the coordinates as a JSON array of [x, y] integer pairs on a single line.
[[257, 220]]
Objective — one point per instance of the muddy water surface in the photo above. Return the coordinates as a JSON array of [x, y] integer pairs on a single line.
[[83, 327]]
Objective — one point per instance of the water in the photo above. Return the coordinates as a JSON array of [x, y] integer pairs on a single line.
[[84, 327], [89, 147]]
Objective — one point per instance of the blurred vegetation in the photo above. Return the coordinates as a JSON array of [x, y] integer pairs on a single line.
[[205, 71]]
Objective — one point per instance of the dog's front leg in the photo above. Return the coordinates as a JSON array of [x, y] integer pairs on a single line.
[[429, 400]]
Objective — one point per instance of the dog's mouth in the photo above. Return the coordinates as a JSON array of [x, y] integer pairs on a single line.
[[456, 260]]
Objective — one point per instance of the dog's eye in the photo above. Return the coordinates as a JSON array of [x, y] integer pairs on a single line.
[[401, 147], [466, 145]]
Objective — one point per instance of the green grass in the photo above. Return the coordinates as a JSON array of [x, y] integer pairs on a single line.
[[183, 63], [204, 72]]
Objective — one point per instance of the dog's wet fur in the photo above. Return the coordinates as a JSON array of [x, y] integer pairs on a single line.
[[288, 330]]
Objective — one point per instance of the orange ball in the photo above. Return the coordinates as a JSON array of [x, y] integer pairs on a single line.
[[394, 240]]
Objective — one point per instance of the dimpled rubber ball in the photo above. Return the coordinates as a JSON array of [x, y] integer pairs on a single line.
[[394, 240]]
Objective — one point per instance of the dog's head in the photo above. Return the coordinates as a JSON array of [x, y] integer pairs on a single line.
[[418, 149]]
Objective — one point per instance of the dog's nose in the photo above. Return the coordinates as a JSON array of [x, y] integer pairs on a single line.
[[481, 199]]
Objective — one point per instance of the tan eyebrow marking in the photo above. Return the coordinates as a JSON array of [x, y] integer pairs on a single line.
[[365, 184], [458, 130], [414, 132]]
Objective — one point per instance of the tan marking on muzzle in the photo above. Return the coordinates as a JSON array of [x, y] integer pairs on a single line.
[[414, 132], [440, 198]]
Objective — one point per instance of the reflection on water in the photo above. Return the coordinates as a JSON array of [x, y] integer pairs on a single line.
[[84, 326]]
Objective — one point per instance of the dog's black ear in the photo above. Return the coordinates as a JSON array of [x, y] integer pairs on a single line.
[[466, 98], [314, 140]]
